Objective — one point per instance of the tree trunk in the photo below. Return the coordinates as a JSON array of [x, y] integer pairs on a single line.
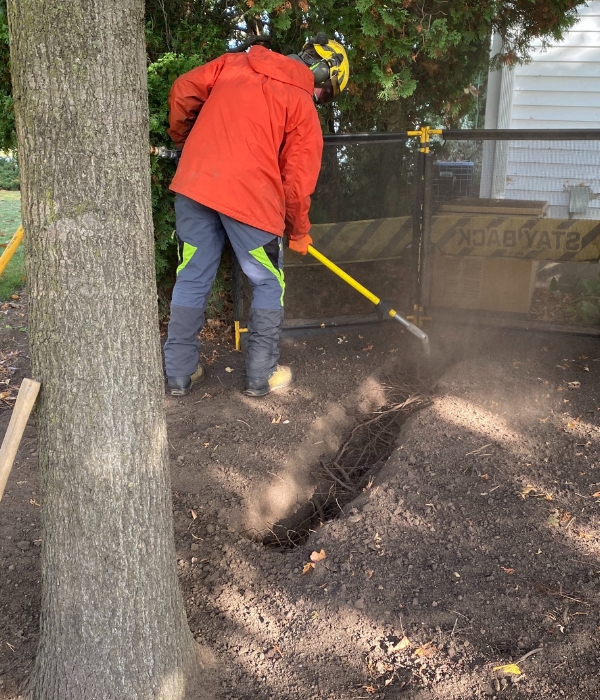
[[113, 624]]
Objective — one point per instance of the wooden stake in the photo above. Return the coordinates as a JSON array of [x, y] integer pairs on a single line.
[[12, 439]]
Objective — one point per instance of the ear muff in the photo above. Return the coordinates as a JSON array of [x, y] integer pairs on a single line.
[[321, 72]]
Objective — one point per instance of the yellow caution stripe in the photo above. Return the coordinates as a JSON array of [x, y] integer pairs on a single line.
[[358, 241]]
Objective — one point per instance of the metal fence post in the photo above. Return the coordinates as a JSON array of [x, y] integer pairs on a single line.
[[427, 250], [417, 216]]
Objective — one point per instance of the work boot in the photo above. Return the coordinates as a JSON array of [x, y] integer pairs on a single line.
[[280, 378], [180, 386]]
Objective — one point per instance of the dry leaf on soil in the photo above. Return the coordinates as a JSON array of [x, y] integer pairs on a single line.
[[307, 567], [381, 667], [531, 490], [426, 651], [318, 556], [404, 643], [509, 669]]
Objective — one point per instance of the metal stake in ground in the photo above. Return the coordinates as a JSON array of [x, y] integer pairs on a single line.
[[383, 306]]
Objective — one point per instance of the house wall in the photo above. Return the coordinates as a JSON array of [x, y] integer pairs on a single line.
[[559, 89]]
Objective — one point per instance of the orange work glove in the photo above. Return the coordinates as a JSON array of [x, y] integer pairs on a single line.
[[300, 245]]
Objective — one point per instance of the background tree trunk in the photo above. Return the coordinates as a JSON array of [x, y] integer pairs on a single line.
[[113, 624]]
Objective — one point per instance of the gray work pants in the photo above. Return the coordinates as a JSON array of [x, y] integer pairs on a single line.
[[201, 232]]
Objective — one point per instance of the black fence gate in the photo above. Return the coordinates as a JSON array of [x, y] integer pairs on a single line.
[[499, 225]]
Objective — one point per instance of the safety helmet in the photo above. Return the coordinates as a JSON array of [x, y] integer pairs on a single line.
[[329, 64]]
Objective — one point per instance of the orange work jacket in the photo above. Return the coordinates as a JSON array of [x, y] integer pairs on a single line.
[[251, 139]]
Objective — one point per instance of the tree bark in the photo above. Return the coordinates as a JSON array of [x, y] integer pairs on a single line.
[[113, 624]]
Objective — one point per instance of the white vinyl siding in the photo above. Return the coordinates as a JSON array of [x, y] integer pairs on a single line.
[[558, 89]]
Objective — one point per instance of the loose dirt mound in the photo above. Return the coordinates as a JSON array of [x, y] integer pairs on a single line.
[[476, 544]]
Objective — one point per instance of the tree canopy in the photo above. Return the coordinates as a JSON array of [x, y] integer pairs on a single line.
[[410, 59]]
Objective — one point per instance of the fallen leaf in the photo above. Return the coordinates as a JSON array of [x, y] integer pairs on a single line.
[[381, 667], [426, 651], [507, 571], [14, 296], [368, 347], [596, 495], [307, 568], [553, 520], [529, 489], [193, 514], [318, 556], [404, 643], [229, 369], [509, 669], [276, 420]]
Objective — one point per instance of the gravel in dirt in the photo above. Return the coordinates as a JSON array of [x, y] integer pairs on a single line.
[[466, 568]]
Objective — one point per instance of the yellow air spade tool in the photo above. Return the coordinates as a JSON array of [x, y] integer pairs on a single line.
[[381, 305]]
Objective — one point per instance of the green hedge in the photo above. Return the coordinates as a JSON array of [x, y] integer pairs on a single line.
[[9, 174]]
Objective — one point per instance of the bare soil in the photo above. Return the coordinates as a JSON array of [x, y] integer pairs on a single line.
[[476, 546]]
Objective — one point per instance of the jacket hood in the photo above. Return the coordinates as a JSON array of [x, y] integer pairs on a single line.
[[286, 70]]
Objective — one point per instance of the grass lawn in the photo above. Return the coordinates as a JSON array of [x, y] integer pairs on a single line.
[[13, 278]]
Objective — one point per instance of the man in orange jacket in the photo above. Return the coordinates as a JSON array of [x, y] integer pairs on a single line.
[[252, 146]]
